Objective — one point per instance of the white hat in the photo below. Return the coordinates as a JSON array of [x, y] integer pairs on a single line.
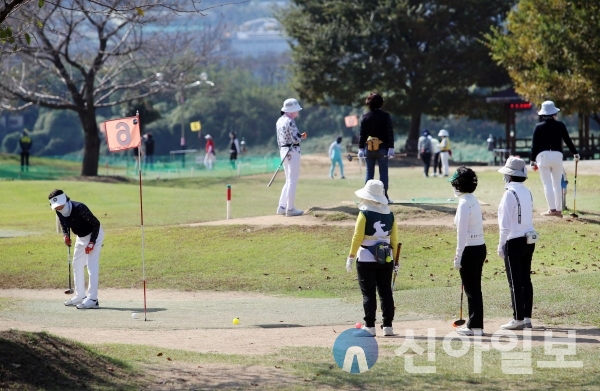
[[57, 201], [291, 106], [443, 133], [373, 191], [548, 108], [514, 167], [207, 136]]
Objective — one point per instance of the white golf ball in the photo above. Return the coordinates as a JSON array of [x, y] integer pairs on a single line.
[[134, 315]]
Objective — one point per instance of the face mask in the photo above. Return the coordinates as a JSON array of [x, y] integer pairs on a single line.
[[506, 180], [66, 211]]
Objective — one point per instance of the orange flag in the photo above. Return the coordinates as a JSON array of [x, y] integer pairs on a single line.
[[122, 133]]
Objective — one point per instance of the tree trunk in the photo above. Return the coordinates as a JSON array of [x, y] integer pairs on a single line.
[[91, 150], [413, 133]]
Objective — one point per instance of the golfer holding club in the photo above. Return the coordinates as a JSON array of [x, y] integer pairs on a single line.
[[517, 241], [547, 155], [288, 139], [374, 241], [470, 246], [75, 216]]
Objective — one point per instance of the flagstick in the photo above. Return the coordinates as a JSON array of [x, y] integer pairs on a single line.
[[142, 218]]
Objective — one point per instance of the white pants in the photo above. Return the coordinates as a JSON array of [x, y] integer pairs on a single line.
[[209, 159], [92, 260], [444, 155], [550, 164], [291, 167]]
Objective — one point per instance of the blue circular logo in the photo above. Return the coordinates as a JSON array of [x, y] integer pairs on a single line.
[[355, 351]]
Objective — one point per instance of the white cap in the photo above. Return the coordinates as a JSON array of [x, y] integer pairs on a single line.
[[207, 136], [291, 106], [548, 108], [57, 201]]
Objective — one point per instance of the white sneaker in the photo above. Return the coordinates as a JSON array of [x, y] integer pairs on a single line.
[[294, 212], [467, 331], [370, 330], [388, 331], [527, 324], [514, 325], [74, 301], [88, 304], [280, 210]]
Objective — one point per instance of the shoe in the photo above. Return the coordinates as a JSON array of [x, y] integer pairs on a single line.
[[294, 212], [527, 323], [514, 325], [556, 213], [343, 177], [388, 331], [370, 330], [88, 304], [280, 210], [74, 301], [467, 331]]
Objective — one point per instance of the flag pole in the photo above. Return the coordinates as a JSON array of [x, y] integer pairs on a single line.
[[137, 114]]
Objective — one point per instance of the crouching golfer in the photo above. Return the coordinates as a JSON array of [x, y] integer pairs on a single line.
[[75, 216], [470, 247], [517, 241], [374, 242]]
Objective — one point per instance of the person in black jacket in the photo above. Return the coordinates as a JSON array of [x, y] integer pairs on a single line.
[[149, 150], [377, 135], [75, 216], [547, 156], [25, 144]]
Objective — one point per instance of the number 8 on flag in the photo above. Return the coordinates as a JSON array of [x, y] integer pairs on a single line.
[[122, 133]]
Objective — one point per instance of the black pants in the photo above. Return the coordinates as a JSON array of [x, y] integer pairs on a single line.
[[24, 158], [426, 157], [372, 277], [472, 262], [517, 260], [232, 159], [437, 163]]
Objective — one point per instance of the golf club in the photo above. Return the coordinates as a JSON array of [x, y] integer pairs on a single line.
[[70, 290], [350, 156], [460, 321], [574, 214], [279, 167], [397, 263]]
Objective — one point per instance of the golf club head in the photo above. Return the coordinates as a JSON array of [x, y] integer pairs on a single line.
[[459, 322], [349, 157], [575, 215], [69, 291]]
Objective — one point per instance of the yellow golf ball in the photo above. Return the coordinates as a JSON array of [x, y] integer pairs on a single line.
[[236, 320]]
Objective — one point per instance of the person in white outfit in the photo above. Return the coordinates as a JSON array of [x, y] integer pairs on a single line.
[[547, 155], [445, 150], [437, 164], [288, 140], [470, 246], [210, 157], [517, 241], [75, 216]]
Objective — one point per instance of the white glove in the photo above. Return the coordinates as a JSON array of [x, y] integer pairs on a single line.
[[349, 262], [576, 157], [390, 153], [361, 153], [396, 268], [457, 264], [501, 250]]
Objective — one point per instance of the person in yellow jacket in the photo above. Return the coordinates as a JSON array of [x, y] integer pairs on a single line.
[[25, 144], [374, 242], [445, 151]]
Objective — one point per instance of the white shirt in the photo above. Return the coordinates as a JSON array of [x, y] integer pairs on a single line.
[[508, 212], [287, 132], [469, 223], [435, 144]]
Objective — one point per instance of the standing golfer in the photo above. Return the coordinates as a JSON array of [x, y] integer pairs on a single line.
[[288, 139], [335, 154], [75, 216], [425, 149], [210, 157], [234, 149], [445, 150], [517, 241], [546, 154], [377, 135], [470, 246], [375, 226]]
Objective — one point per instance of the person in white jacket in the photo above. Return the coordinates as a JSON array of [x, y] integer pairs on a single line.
[[517, 241], [470, 246]]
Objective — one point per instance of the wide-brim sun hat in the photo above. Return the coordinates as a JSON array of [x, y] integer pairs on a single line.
[[514, 167], [291, 106], [443, 133], [57, 201], [548, 108], [373, 191]]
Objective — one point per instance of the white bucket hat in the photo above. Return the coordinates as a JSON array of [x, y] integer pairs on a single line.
[[443, 133], [514, 167], [373, 191], [57, 201], [291, 106], [208, 136], [548, 108]]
